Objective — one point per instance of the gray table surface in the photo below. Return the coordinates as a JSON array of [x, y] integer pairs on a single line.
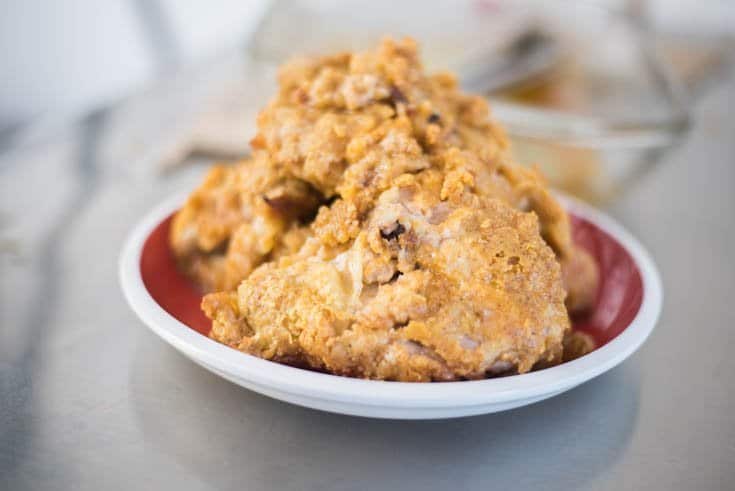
[[90, 399]]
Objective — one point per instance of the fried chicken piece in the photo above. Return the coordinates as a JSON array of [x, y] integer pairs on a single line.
[[239, 217], [350, 123], [433, 256], [577, 344], [429, 289], [581, 279]]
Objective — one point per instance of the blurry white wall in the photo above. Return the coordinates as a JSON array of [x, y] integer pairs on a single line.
[[62, 56], [66, 53]]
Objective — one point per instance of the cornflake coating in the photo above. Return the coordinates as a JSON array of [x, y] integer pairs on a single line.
[[429, 254], [240, 217], [428, 290]]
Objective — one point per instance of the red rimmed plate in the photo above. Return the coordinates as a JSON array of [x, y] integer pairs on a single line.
[[627, 307]]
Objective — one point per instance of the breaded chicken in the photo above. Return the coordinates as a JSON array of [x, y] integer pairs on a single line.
[[432, 255], [429, 289], [240, 217]]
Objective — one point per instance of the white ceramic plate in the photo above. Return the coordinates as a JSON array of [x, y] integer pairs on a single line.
[[393, 399]]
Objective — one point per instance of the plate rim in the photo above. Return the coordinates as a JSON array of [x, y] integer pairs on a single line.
[[346, 390]]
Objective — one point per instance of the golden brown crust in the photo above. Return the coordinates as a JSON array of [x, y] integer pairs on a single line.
[[432, 257], [421, 294], [240, 217]]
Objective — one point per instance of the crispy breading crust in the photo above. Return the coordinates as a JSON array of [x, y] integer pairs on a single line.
[[428, 290], [240, 217], [432, 257]]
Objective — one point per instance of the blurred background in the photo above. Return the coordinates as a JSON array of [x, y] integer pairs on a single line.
[[65, 57], [595, 93]]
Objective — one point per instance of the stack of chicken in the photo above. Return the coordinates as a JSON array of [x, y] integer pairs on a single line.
[[381, 230]]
